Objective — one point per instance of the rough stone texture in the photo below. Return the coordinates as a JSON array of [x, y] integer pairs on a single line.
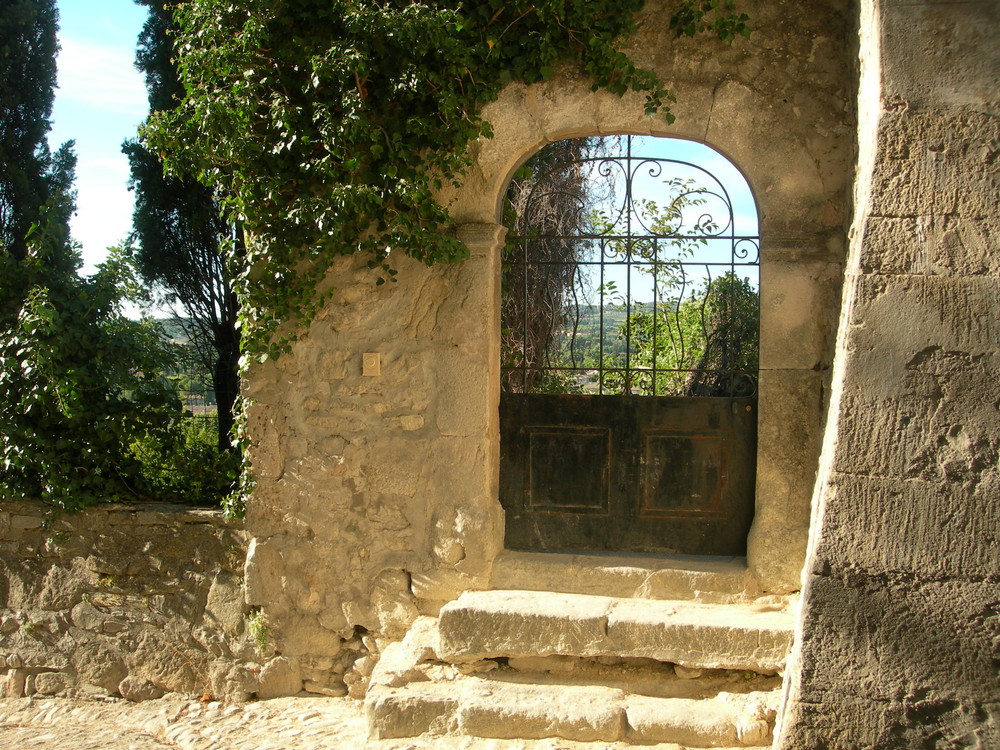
[[136, 689], [391, 480], [132, 600], [582, 713], [421, 709], [712, 723], [377, 496], [900, 620], [483, 707], [278, 678], [487, 624]]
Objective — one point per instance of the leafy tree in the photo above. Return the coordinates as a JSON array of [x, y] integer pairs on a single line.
[[80, 381], [704, 345], [179, 231]]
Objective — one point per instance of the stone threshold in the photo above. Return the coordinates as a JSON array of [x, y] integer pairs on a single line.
[[641, 576]]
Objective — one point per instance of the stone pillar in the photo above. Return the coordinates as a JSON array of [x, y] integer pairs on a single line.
[[800, 279], [466, 524], [900, 626]]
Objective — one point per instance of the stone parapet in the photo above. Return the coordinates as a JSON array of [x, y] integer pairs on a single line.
[[132, 600]]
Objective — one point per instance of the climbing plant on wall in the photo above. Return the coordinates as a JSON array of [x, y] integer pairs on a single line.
[[331, 123]]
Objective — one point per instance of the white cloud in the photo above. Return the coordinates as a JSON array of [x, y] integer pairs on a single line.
[[100, 77], [104, 206]]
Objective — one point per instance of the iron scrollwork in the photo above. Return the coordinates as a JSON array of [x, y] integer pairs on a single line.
[[625, 273]]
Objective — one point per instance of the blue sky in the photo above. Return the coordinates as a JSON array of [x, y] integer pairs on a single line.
[[100, 102]]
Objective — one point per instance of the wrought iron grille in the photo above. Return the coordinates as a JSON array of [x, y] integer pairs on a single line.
[[627, 272]]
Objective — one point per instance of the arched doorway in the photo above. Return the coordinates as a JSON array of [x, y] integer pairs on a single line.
[[629, 349]]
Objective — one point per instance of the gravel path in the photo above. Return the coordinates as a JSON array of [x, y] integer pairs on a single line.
[[284, 723]]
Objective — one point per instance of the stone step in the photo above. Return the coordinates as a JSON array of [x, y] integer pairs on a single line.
[[482, 707], [511, 623], [707, 579]]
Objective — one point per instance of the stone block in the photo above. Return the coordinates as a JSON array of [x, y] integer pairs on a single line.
[[137, 689], [695, 723], [13, 683], [328, 688], [872, 640], [262, 573], [22, 523], [416, 710], [398, 662], [516, 623], [717, 580], [225, 605], [725, 585], [175, 669], [522, 623], [582, 713], [799, 304], [945, 166], [568, 573], [233, 682], [278, 678], [61, 588], [910, 319], [792, 410], [113, 627], [460, 410], [700, 636], [938, 531], [940, 56], [787, 182], [99, 664], [932, 244], [50, 683]]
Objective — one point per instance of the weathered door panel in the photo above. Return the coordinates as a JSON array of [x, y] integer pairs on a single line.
[[626, 473]]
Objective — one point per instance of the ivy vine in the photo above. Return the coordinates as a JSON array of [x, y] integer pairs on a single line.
[[328, 125]]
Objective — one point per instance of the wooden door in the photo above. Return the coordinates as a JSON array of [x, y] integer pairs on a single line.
[[628, 473]]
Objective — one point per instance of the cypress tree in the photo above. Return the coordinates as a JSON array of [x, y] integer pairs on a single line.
[[178, 230], [30, 175]]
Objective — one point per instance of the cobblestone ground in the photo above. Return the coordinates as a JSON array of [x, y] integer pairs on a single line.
[[292, 723]]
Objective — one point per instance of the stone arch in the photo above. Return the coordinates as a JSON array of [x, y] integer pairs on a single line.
[[801, 226]]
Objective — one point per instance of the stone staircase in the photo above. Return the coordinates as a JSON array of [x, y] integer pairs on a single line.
[[592, 648]]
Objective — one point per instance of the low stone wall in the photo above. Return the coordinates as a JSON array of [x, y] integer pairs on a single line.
[[136, 600]]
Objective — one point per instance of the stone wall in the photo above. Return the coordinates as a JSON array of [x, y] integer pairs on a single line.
[[376, 495], [131, 600], [899, 639]]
